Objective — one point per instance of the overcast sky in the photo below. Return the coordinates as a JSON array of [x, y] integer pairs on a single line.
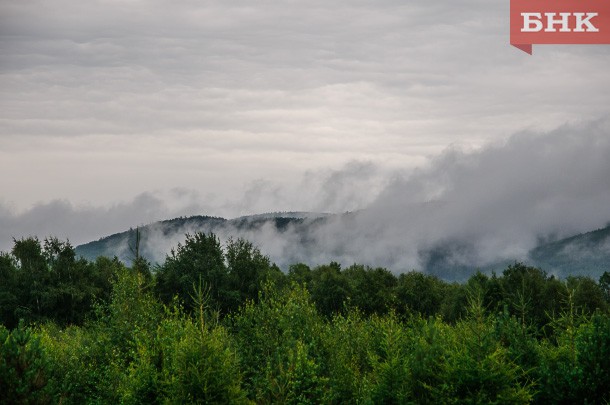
[[115, 113]]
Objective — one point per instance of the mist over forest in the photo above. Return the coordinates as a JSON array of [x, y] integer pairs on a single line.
[[478, 207], [463, 211], [300, 202], [510, 245]]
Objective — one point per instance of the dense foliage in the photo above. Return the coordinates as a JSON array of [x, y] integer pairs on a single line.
[[222, 324]]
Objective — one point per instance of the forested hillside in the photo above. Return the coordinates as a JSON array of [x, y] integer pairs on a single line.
[[302, 238], [220, 323], [585, 254], [157, 237]]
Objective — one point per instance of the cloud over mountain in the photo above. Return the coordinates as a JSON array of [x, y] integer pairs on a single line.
[[480, 206]]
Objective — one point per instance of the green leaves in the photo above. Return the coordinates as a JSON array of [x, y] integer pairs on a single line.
[[577, 369], [47, 283], [279, 340], [200, 258], [221, 325], [198, 365], [23, 367]]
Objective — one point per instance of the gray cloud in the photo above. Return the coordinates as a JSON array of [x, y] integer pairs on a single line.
[[77, 223], [167, 94], [498, 202], [350, 187], [487, 205], [490, 204], [231, 108]]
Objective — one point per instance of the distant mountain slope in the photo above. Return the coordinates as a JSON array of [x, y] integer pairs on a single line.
[[158, 238], [583, 254], [121, 244], [586, 254], [292, 237]]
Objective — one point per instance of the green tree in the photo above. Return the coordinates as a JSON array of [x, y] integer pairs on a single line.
[[530, 294], [199, 260], [604, 285], [575, 366], [183, 359], [454, 303], [429, 346], [593, 346], [300, 273], [138, 262], [478, 369], [23, 368], [248, 270], [49, 283], [33, 279], [371, 290], [329, 289], [9, 291], [421, 293], [491, 289], [72, 284], [588, 295], [347, 343], [389, 377], [279, 342]]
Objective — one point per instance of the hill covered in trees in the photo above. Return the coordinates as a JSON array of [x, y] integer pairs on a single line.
[[158, 238], [220, 323], [300, 234], [582, 254]]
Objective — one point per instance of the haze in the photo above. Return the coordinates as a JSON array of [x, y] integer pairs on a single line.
[[119, 113]]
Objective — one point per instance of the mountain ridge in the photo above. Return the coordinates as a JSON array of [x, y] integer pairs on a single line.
[[583, 254]]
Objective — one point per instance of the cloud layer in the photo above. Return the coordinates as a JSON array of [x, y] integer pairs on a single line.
[[104, 100], [490, 204], [350, 187], [499, 201], [119, 113]]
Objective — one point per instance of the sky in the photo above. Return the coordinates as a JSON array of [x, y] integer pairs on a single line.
[[115, 113]]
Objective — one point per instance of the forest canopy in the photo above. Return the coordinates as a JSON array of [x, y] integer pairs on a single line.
[[220, 323]]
